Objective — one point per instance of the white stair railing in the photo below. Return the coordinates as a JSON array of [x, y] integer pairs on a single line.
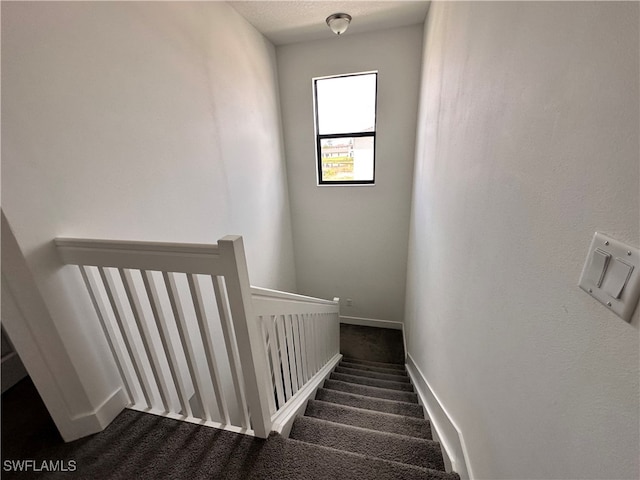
[[300, 335], [192, 340]]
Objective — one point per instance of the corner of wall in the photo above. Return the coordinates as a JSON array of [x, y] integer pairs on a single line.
[[29, 326]]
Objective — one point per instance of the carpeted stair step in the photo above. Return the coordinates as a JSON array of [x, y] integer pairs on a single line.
[[387, 446], [391, 366], [372, 382], [305, 461], [370, 368], [366, 390], [365, 373], [369, 403], [358, 417]]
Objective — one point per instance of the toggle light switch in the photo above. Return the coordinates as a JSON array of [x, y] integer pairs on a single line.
[[611, 275], [616, 278], [597, 267]]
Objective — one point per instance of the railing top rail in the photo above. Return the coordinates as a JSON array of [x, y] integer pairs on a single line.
[[120, 245], [162, 256], [276, 294]]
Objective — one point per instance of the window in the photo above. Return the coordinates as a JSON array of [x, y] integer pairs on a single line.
[[345, 108]]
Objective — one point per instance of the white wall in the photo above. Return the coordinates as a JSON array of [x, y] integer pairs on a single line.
[[142, 121], [528, 142], [351, 241]]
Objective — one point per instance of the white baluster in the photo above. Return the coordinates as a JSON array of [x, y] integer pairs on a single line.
[[275, 359], [297, 347], [118, 313], [136, 309], [232, 346], [187, 347], [101, 311], [207, 338], [165, 336], [284, 356]]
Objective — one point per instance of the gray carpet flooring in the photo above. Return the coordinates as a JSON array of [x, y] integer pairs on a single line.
[[373, 344], [370, 415], [364, 424]]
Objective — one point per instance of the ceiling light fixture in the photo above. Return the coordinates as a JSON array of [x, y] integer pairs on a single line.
[[339, 22]]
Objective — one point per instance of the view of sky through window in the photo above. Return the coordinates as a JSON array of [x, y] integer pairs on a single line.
[[346, 122], [346, 104]]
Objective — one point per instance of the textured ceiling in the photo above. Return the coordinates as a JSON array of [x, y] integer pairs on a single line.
[[285, 22]]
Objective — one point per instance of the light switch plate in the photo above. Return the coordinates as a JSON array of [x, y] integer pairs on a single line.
[[592, 280]]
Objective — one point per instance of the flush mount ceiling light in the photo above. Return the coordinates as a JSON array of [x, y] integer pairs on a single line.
[[339, 22]]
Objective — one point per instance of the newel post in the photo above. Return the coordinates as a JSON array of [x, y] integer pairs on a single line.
[[250, 344]]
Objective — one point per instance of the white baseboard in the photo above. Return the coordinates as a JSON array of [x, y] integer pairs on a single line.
[[102, 416], [444, 428], [111, 408], [372, 322], [283, 419]]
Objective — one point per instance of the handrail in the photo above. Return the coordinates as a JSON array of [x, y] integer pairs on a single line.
[[275, 342], [161, 256], [161, 247], [277, 294]]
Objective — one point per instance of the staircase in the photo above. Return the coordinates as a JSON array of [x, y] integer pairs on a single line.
[[366, 423], [170, 311]]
